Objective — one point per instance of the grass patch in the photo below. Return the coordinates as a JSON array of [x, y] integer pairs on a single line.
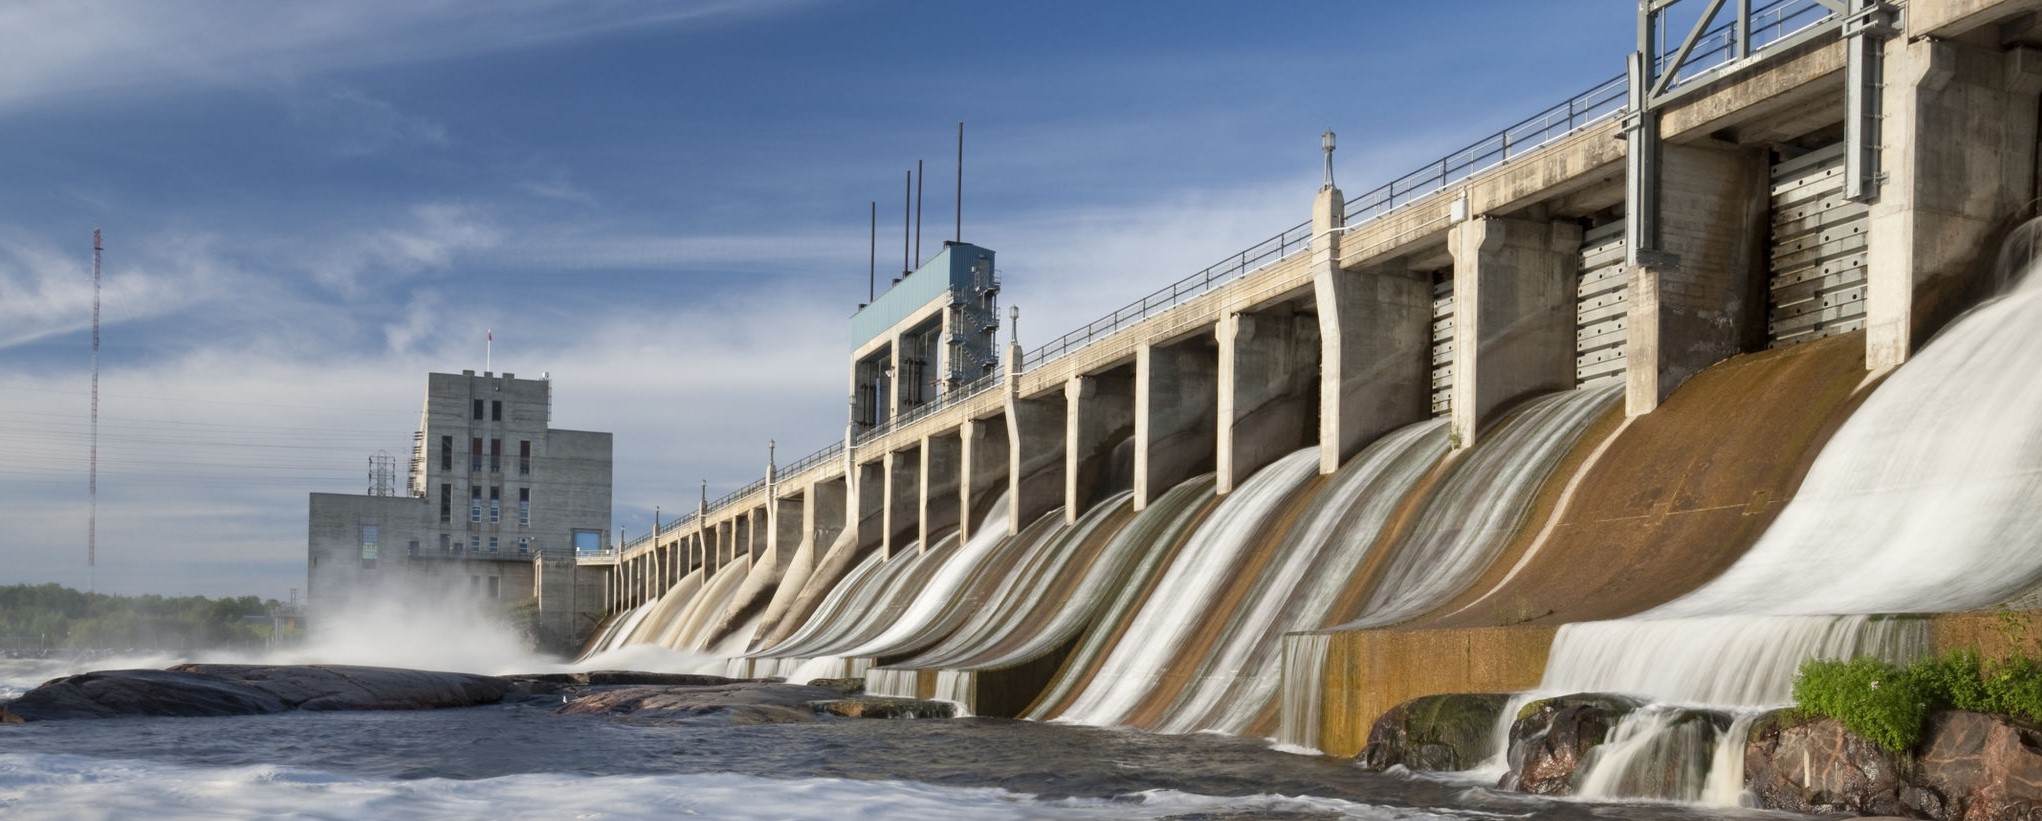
[[1890, 704]]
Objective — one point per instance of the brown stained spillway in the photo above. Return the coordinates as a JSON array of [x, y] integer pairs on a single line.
[[1676, 497]]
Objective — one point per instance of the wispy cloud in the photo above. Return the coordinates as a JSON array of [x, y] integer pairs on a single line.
[[47, 290], [428, 237], [57, 48]]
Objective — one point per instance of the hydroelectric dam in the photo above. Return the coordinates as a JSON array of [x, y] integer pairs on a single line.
[[1706, 371]]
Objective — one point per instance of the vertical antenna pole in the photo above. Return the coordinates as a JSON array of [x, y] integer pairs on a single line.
[[872, 271], [918, 213], [92, 469], [488, 349], [959, 237], [907, 205]]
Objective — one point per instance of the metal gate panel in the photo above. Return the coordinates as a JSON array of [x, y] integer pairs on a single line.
[[1816, 285], [1602, 313], [1442, 343]]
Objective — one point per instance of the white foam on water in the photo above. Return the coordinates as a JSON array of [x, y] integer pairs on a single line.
[[76, 788]]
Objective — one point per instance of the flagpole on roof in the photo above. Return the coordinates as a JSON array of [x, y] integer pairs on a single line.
[[488, 350]]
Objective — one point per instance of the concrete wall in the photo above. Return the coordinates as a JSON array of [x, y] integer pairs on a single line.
[[1513, 315]]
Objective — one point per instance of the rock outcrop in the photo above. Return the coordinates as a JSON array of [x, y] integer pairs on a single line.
[[1551, 738], [1434, 733], [746, 702], [238, 689], [1968, 767]]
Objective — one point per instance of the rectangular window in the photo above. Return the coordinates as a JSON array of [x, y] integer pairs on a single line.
[[446, 453], [475, 544], [492, 587], [525, 457], [524, 507], [524, 545], [475, 455], [446, 546], [495, 410], [414, 547], [478, 409], [475, 505], [495, 455], [446, 503], [492, 544], [368, 543], [495, 505], [587, 541]]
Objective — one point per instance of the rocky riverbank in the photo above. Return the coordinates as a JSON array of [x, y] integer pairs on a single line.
[[1968, 767], [236, 689]]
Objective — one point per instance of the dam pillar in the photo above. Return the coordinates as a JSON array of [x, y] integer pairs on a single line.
[[982, 460], [1514, 311], [903, 493], [1375, 337], [939, 497], [788, 522], [1958, 131], [1267, 406], [1696, 307], [1035, 448], [1100, 414], [822, 512], [867, 503], [1176, 403]]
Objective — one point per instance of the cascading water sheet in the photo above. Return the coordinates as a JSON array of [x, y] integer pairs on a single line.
[[1023, 609], [1238, 679], [839, 611], [1480, 504], [942, 604], [1151, 643], [1154, 537]]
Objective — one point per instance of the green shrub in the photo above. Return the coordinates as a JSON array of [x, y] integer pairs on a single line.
[[1873, 698]]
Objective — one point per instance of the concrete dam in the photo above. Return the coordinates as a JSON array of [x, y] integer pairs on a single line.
[[1711, 369]]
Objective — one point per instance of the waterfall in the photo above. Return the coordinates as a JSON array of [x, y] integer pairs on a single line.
[[1480, 504], [943, 602], [1238, 679], [1304, 671], [1152, 540], [1185, 595], [1024, 618], [1923, 501]]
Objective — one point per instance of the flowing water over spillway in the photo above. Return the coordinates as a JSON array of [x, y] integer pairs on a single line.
[[1928, 499]]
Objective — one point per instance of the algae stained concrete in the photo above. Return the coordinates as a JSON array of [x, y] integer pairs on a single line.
[[1675, 498]]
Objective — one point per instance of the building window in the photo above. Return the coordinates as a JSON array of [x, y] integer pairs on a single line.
[[446, 545], [446, 503], [475, 505], [446, 453], [495, 455], [525, 457], [368, 547], [478, 410], [492, 544], [495, 505], [524, 507], [475, 455], [524, 545], [475, 544], [491, 587], [414, 547], [495, 410], [587, 541]]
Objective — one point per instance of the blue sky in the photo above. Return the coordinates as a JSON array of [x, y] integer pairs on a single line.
[[663, 205]]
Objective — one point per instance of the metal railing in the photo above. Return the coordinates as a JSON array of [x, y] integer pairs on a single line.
[[1771, 23], [827, 453]]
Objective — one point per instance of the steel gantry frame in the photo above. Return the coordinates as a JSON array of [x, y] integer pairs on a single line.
[[1657, 80]]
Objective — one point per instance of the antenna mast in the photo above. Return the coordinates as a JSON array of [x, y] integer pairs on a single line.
[[92, 471]]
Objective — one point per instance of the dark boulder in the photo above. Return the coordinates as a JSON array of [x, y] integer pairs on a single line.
[[846, 686], [1434, 733], [246, 689], [112, 693], [1551, 738]]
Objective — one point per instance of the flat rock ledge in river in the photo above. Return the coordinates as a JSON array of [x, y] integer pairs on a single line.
[[247, 689], [1439, 733], [745, 702]]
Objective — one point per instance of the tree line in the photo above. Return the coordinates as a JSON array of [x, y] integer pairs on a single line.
[[51, 617]]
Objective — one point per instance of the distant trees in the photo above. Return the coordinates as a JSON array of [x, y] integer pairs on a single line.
[[51, 616]]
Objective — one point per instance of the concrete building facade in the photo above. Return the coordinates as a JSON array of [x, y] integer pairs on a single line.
[[497, 505]]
